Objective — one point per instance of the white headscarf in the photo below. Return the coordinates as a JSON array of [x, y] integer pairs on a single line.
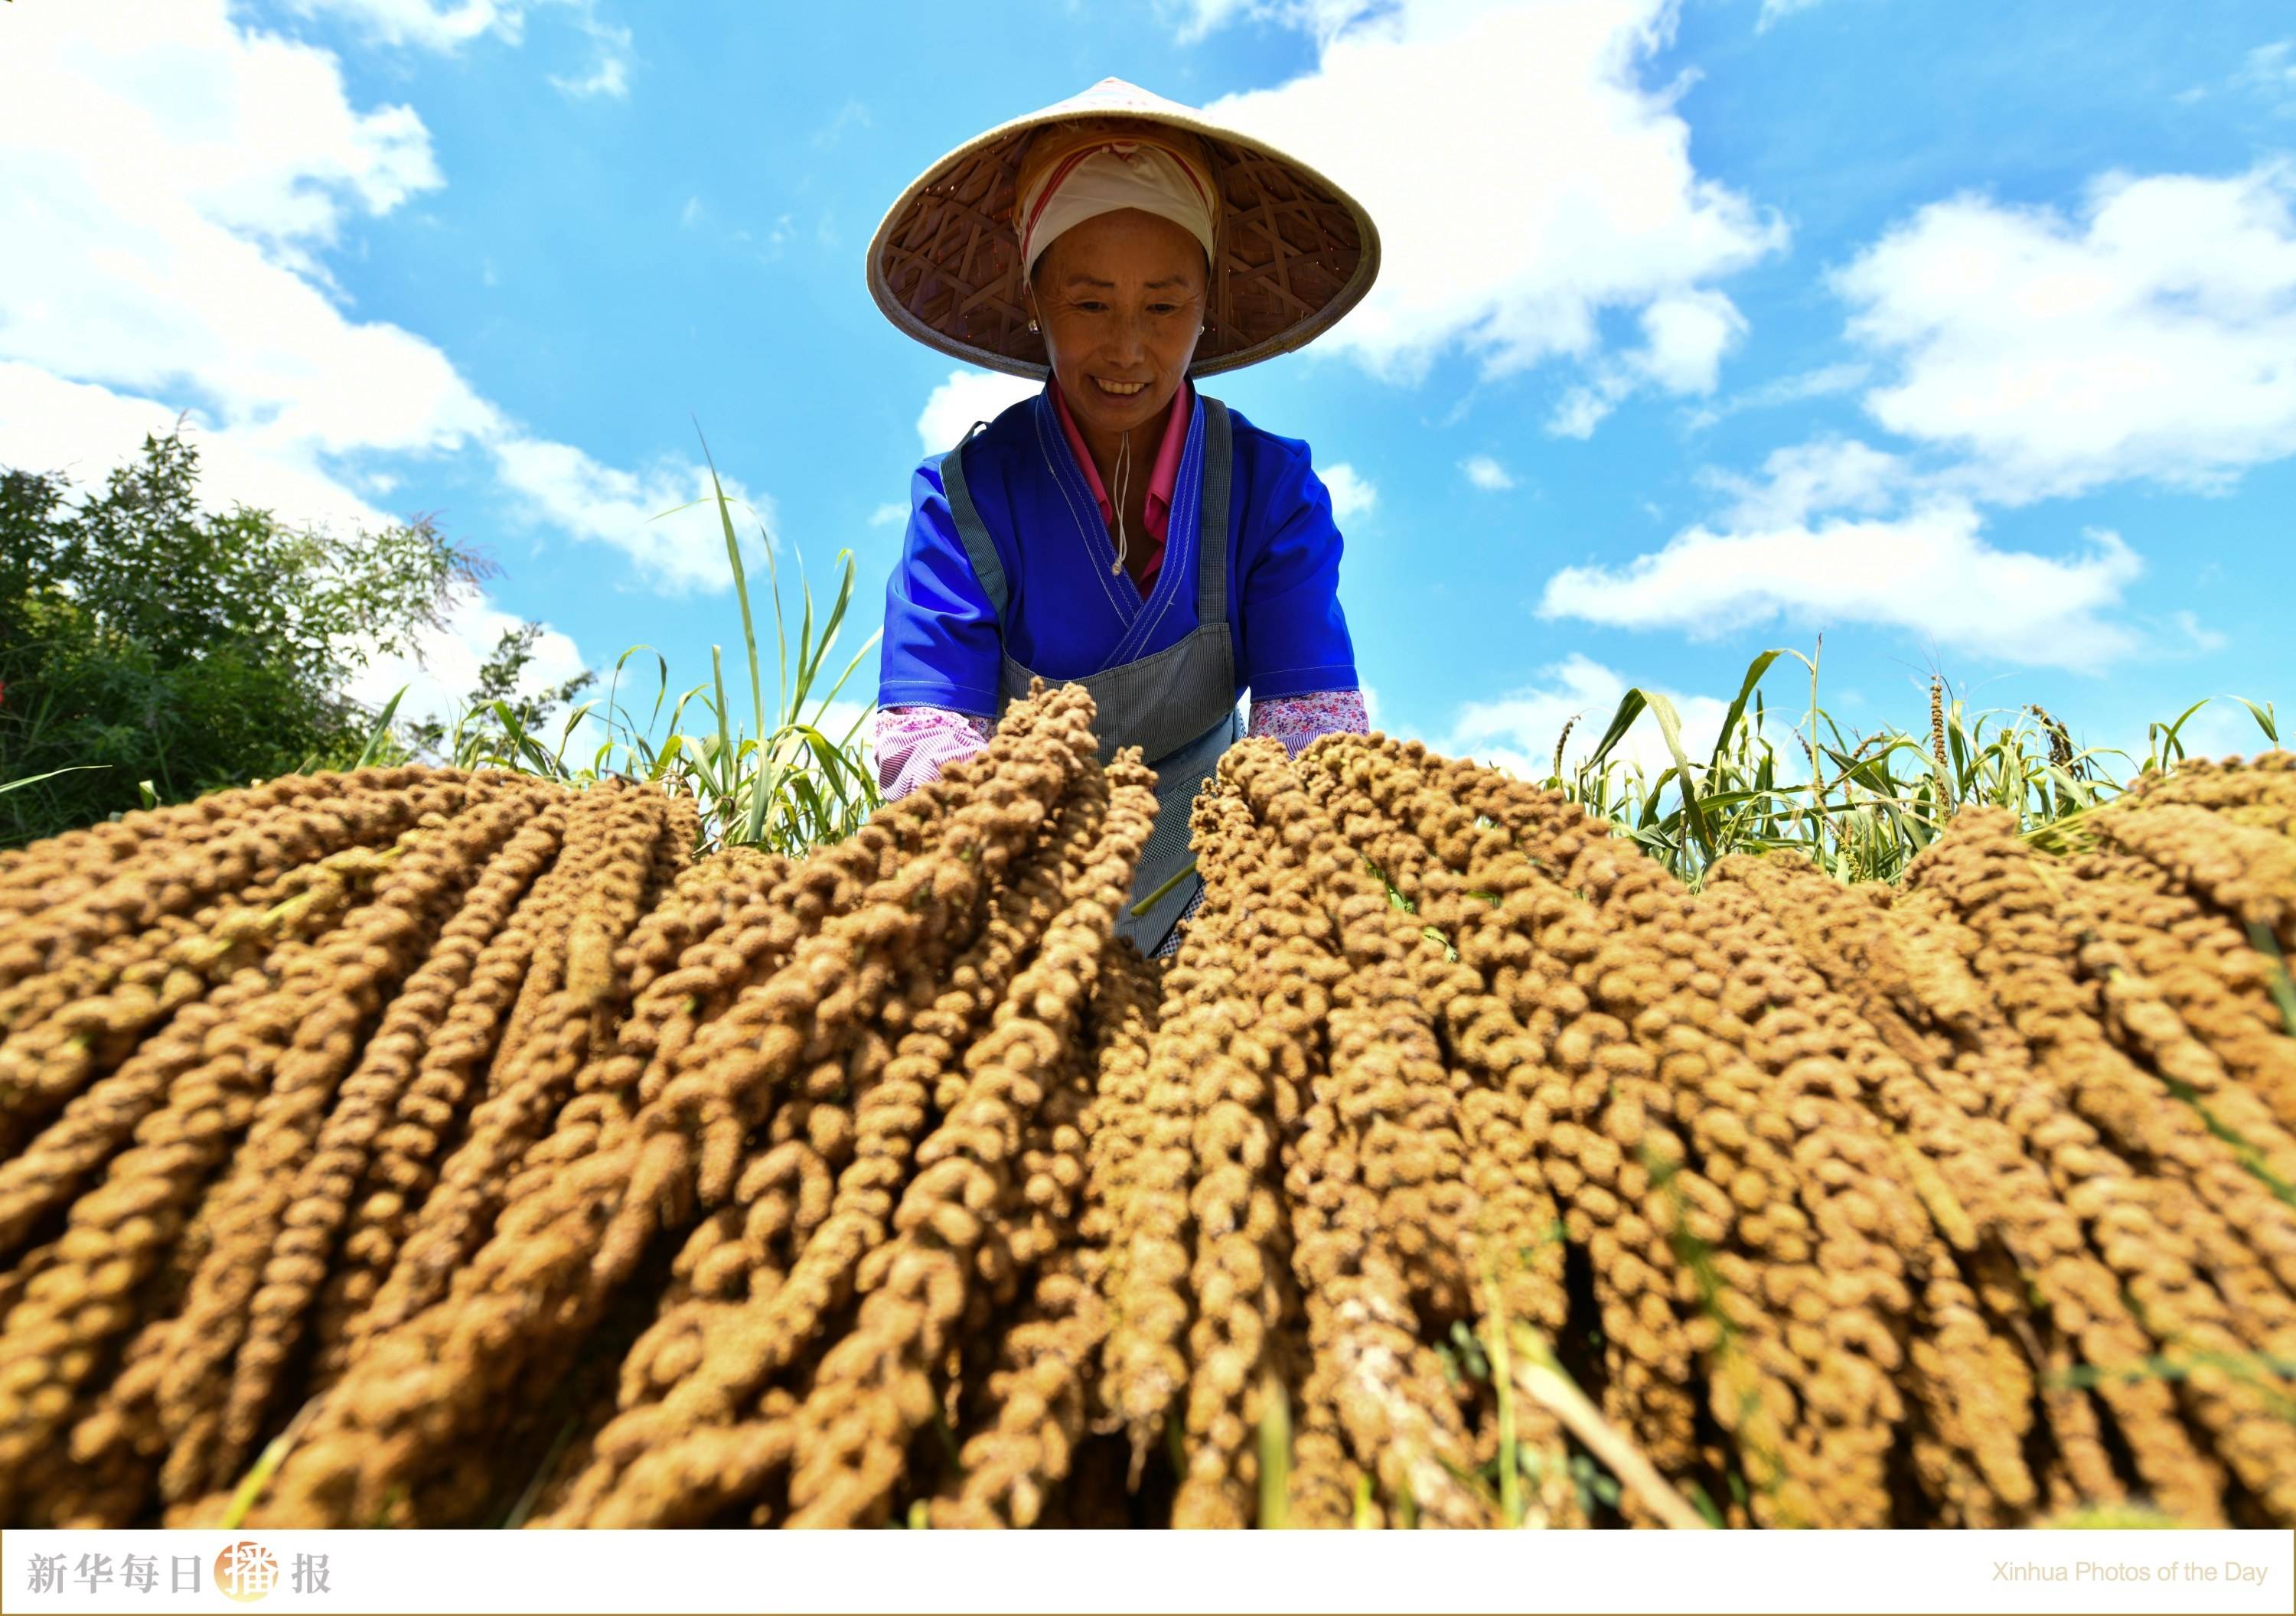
[[1104, 177]]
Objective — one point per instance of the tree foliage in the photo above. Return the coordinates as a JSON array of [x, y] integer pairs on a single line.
[[152, 648]]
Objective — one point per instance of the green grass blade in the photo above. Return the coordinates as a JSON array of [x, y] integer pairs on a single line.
[[1630, 707], [806, 658], [381, 730], [726, 760], [835, 619], [661, 689], [522, 744], [34, 779], [1737, 709], [267, 1465], [2265, 718], [741, 591], [1274, 1454], [867, 647], [1669, 726], [765, 791], [2171, 747], [566, 732], [2278, 981]]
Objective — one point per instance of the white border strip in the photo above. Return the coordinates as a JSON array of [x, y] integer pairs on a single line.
[[574, 1573]]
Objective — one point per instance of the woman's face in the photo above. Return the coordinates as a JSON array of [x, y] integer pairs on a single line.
[[1121, 298]]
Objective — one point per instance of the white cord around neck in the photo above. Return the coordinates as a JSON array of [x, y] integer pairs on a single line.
[[1123, 492]]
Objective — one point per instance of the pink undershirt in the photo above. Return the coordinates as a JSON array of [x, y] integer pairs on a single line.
[[1162, 478]]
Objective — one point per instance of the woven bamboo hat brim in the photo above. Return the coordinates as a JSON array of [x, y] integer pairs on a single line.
[[1296, 252]]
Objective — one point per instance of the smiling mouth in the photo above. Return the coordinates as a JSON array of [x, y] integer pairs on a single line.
[[1119, 390]]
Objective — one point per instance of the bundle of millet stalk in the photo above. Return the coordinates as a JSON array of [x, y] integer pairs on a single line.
[[423, 1148]]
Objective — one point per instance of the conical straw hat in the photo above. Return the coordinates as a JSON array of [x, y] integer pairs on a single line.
[[1296, 252]]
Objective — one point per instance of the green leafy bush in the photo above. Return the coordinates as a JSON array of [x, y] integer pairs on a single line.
[[152, 651]]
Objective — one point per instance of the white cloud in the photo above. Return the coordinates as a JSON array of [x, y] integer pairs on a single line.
[[1353, 494], [2270, 68], [1786, 389], [2200, 637], [888, 514], [1931, 571], [1826, 475], [51, 425], [2154, 337], [1320, 18], [1543, 101], [1563, 189], [853, 115], [178, 175], [665, 519], [966, 397], [1685, 337], [1487, 474], [1777, 10], [1581, 410], [607, 78], [1518, 731], [611, 74], [689, 215], [437, 25], [183, 178], [448, 25], [437, 678]]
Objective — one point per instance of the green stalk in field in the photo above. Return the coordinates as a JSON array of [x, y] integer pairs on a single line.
[[781, 782], [1861, 807]]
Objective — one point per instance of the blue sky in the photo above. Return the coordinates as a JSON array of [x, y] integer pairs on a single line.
[[1957, 332]]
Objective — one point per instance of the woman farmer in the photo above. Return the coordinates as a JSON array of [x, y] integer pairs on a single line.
[[1118, 529]]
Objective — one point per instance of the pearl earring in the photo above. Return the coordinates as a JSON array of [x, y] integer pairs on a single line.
[[1032, 325]]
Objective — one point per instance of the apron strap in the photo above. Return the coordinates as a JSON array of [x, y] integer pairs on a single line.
[[1212, 514], [970, 528]]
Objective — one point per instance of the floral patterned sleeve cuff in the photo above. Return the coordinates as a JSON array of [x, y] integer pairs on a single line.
[[1296, 720], [915, 744]]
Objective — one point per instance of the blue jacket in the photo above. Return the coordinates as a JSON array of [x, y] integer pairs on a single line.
[[1070, 614]]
